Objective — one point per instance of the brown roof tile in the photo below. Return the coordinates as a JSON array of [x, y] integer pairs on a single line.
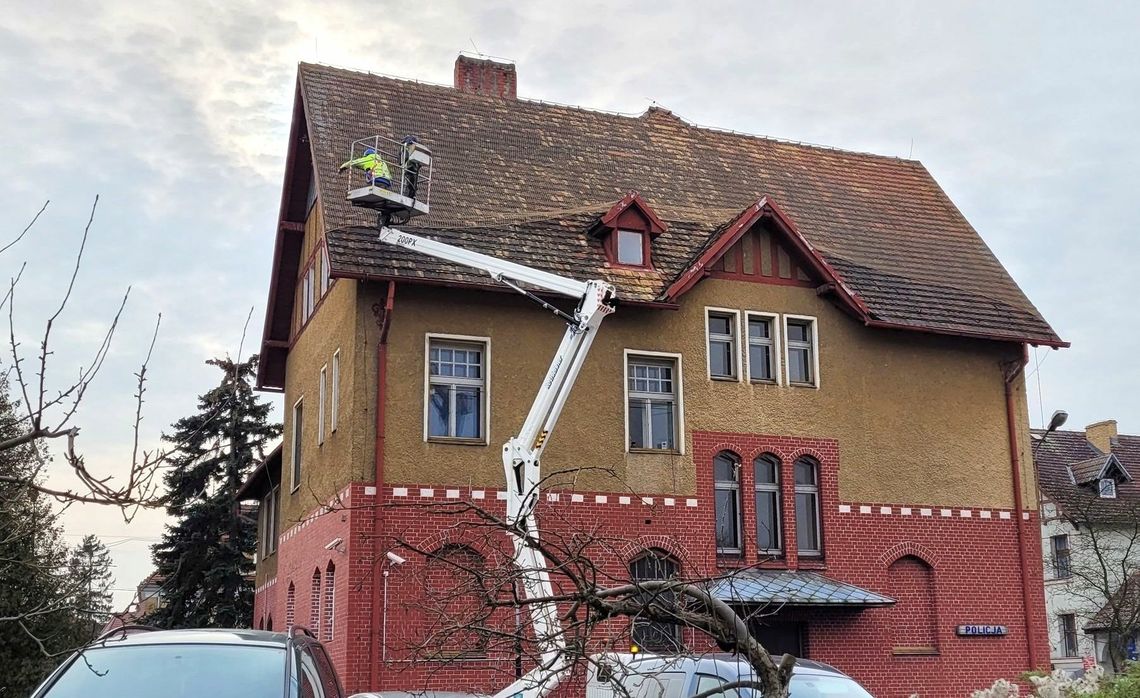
[[1065, 450], [527, 179]]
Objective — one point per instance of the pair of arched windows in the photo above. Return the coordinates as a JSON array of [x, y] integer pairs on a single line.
[[767, 502]]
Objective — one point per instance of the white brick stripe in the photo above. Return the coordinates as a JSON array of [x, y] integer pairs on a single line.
[[573, 497], [883, 510]]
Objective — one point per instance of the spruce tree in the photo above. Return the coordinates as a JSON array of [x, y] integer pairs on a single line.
[[33, 587], [89, 576], [206, 555]]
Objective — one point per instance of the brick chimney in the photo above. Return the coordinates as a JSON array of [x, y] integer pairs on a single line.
[[1101, 434], [480, 76]]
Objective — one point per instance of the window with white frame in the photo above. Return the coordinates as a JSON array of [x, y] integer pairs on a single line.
[[306, 296], [1106, 488], [766, 472], [1067, 625], [651, 389], [322, 391], [456, 390], [807, 507], [269, 522], [726, 502], [721, 326], [763, 366], [1062, 557], [800, 350], [296, 441], [334, 400], [326, 278]]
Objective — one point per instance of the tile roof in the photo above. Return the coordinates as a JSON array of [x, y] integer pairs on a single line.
[[528, 179], [1070, 449], [1125, 605], [1094, 468], [792, 588]]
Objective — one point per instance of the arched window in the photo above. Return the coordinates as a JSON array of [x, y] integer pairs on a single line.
[[261, 623], [912, 586], [456, 608], [808, 538], [655, 636], [290, 607], [315, 603], [766, 478], [726, 483], [269, 622], [330, 596]]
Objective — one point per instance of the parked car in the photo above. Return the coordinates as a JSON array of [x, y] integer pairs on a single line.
[[141, 662], [684, 676]]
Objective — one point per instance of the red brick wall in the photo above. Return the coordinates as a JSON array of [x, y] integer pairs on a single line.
[[971, 556]]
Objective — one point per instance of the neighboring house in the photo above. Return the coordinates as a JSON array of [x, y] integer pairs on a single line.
[[148, 598], [814, 379], [1090, 538]]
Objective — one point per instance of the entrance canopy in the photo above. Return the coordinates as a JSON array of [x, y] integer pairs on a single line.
[[793, 589]]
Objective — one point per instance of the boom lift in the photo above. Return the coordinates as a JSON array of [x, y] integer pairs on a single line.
[[522, 453]]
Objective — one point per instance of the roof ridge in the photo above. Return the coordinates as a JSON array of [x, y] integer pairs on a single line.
[[640, 116]]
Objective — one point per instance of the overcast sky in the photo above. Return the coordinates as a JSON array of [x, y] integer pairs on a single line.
[[176, 113]]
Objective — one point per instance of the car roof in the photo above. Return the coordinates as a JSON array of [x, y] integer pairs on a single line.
[[204, 636], [708, 663]]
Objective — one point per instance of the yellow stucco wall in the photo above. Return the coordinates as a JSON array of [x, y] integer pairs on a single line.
[[919, 418], [328, 467]]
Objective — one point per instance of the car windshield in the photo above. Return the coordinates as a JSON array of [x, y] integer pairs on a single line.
[[825, 686], [174, 671]]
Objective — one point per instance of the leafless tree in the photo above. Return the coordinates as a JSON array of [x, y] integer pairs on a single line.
[[1103, 566], [468, 604], [48, 405]]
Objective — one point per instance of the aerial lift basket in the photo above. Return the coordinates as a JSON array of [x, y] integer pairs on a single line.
[[390, 177]]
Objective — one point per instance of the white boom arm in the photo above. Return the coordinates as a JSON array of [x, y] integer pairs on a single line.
[[521, 453]]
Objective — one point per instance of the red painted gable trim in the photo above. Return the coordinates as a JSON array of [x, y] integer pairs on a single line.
[[765, 208], [632, 199]]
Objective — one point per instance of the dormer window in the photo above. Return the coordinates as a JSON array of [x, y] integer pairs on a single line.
[[1106, 488], [626, 232], [631, 246]]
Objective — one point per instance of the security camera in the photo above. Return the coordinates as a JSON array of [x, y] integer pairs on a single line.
[[395, 559], [334, 543]]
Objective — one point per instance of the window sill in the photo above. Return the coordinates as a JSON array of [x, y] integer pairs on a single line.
[[725, 379], [455, 442], [763, 381], [792, 384], [655, 451], [915, 651]]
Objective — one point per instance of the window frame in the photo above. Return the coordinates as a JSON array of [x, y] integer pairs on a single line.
[[641, 243], [678, 398], [485, 406], [334, 398], [296, 444], [1061, 571], [326, 273], [1106, 493], [816, 490], [660, 560], [322, 393], [814, 348], [738, 374], [738, 523], [773, 488], [1063, 621], [776, 344], [269, 521]]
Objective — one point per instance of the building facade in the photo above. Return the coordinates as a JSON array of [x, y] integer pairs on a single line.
[[1090, 542], [812, 387]]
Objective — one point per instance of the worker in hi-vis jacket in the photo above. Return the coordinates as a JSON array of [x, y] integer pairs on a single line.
[[373, 166]]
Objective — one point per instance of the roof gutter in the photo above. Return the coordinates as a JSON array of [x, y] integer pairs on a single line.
[[1012, 371]]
